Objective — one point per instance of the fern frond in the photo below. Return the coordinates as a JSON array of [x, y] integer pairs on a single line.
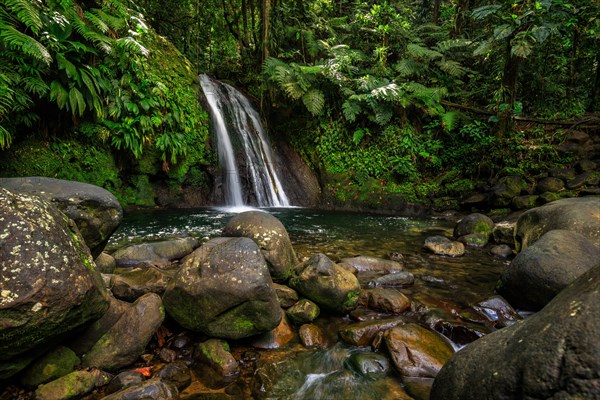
[[116, 23], [383, 116], [35, 85], [314, 100], [27, 13], [102, 41], [131, 45], [452, 68], [390, 92], [5, 138], [21, 42], [452, 44], [97, 22], [419, 51], [351, 110], [450, 120], [407, 67]]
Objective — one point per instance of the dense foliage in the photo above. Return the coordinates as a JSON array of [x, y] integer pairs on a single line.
[[414, 97]]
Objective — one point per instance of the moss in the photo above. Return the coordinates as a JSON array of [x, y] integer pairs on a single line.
[[482, 228], [351, 299]]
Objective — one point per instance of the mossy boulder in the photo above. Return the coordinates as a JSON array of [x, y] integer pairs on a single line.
[[127, 339], [506, 189], [542, 270], [58, 362], [224, 289], [95, 211], [329, 285], [155, 252], [580, 215], [550, 184], [50, 286], [272, 238], [303, 312], [474, 223], [216, 355], [71, 386]]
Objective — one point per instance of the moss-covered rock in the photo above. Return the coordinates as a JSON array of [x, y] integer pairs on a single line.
[[50, 286], [71, 386], [58, 362]]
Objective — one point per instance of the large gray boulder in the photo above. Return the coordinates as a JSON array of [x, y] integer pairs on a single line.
[[224, 289], [554, 354], [272, 238], [49, 285], [580, 215], [96, 212], [542, 270], [329, 285]]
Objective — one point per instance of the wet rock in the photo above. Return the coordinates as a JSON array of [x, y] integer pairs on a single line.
[[497, 310], [155, 252], [504, 233], [418, 388], [363, 333], [403, 278], [83, 341], [474, 223], [215, 363], [312, 336], [224, 289], [501, 251], [525, 202], [586, 178], [474, 240], [50, 286], [367, 263], [95, 211], [105, 263], [520, 362], [124, 380], [167, 355], [368, 364], [71, 386], [303, 312], [126, 340], [327, 284], [278, 337], [443, 246], [580, 215], [58, 362], [387, 300], [563, 173], [152, 389], [416, 351], [548, 197], [506, 189], [459, 332], [272, 238], [286, 296], [550, 184], [474, 200], [177, 373], [131, 285], [546, 267]]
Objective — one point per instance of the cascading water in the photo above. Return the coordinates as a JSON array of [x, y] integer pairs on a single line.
[[232, 114]]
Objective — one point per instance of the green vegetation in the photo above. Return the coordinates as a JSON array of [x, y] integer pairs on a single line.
[[387, 101]]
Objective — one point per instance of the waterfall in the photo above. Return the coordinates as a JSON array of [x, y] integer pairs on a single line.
[[235, 121]]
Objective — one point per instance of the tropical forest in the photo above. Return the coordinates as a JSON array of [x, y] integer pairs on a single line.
[[284, 199]]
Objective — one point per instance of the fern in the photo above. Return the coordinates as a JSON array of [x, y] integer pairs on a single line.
[[407, 67], [27, 13], [453, 68], [418, 51], [35, 85], [314, 100], [351, 110], [26, 44], [132, 46], [450, 120]]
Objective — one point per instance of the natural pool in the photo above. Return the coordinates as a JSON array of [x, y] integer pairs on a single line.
[[448, 287]]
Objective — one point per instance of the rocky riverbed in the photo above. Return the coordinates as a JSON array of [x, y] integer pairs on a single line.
[[245, 316]]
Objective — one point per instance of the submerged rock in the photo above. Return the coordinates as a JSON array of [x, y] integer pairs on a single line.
[[368, 364], [403, 278], [272, 238], [387, 300], [416, 351], [152, 389], [177, 373], [546, 267], [327, 284], [364, 333], [581, 215], [442, 246], [49, 287], [224, 289], [215, 359], [497, 310], [95, 210], [276, 338], [367, 263], [555, 353], [312, 336]]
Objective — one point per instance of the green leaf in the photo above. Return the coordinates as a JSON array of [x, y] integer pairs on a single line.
[[76, 101], [484, 11], [450, 120], [540, 33], [351, 109], [503, 31], [418, 51], [314, 100], [521, 49], [59, 94]]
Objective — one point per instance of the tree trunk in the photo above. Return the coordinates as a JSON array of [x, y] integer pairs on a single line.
[[265, 28], [461, 10], [509, 92], [436, 12], [595, 87]]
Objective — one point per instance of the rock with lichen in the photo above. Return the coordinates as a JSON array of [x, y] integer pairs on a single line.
[[49, 284]]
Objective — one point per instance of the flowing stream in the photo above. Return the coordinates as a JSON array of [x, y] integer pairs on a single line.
[[238, 127]]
